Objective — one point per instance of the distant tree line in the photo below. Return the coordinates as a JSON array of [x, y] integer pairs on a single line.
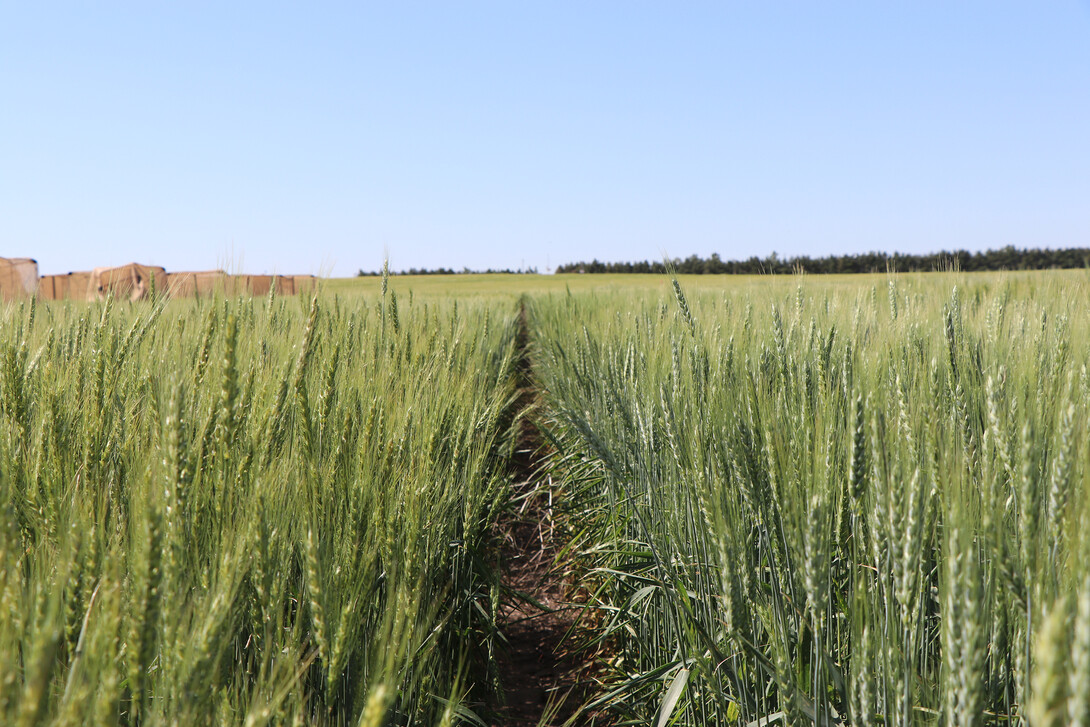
[[448, 271], [1007, 258]]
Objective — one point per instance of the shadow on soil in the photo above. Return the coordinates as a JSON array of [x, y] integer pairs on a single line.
[[544, 678]]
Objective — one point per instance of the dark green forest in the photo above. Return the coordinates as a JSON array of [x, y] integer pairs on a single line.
[[1007, 258]]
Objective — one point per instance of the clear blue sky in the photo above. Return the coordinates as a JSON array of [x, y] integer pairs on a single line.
[[312, 137]]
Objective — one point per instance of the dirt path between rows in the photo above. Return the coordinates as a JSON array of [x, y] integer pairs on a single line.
[[544, 679]]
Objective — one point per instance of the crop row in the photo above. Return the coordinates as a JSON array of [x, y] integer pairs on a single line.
[[248, 511], [831, 505]]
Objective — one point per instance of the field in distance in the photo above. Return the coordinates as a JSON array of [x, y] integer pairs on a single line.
[[474, 284]]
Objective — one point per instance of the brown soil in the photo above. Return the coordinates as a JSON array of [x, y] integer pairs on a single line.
[[538, 666], [544, 678]]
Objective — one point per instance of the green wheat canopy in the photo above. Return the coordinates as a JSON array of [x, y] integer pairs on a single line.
[[245, 511], [833, 503], [790, 500]]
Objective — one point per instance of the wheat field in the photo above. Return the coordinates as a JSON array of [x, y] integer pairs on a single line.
[[854, 504], [247, 511], [788, 500]]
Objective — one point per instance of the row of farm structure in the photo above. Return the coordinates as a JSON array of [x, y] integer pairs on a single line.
[[19, 279]]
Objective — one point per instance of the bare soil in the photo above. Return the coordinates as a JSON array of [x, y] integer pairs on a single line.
[[539, 667], [545, 679]]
